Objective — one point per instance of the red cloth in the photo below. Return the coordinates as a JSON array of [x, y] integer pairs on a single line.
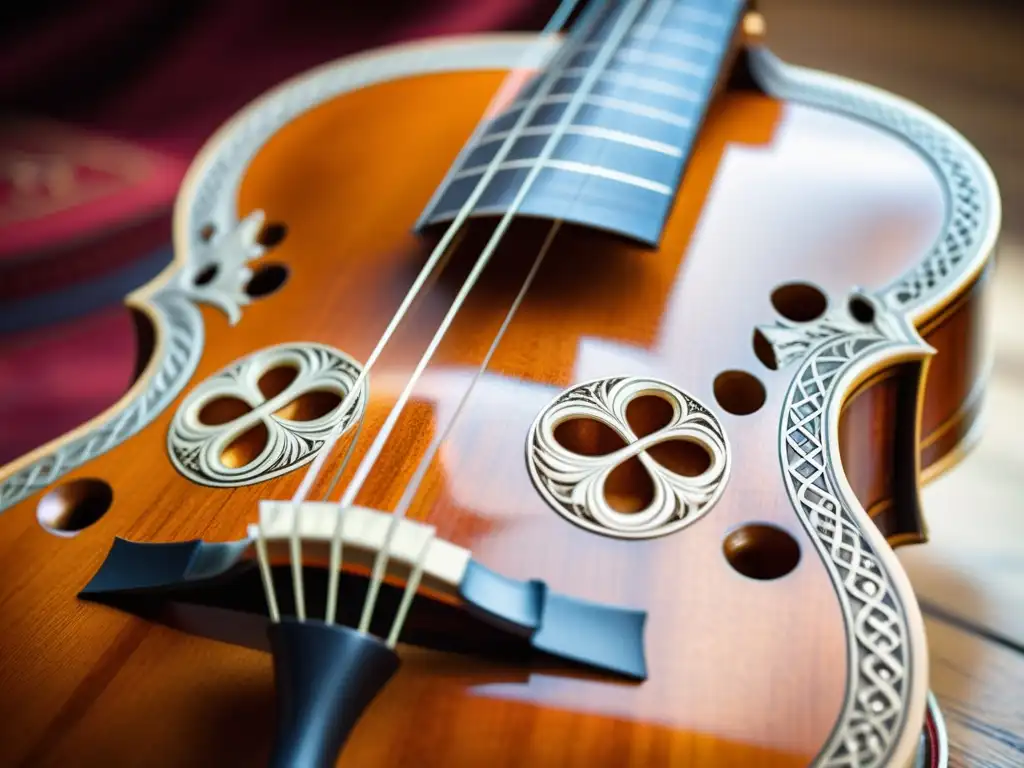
[[164, 74], [52, 380]]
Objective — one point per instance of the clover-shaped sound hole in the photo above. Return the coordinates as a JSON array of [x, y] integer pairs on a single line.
[[266, 414], [633, 458], [629, 487], [247, 447]]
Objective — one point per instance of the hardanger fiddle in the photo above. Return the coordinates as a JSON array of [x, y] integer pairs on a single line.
[[520, 399]]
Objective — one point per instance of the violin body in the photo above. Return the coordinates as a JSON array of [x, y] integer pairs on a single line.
[[813, 312]]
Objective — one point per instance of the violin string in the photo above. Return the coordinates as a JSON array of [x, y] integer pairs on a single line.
[[437, 253], [334, 568], [646, 32], [362, 415], [623, 24], [334, 565], [295, 555], [265, 573], [411, 585], [336, 539], [441, 251], [421, 471], [363, 470], [348, 457], [508, 88]]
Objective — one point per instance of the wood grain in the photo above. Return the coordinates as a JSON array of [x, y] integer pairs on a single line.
[[973, 565], [726, 684], [978, 683], [958, 59]]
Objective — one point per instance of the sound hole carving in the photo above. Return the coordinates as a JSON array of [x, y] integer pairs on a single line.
[[264, 415], [628, 457]]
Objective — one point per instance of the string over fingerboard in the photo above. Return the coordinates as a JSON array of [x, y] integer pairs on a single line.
[[631, 120]]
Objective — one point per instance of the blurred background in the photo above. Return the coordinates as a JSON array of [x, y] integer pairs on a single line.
[[120, 95]]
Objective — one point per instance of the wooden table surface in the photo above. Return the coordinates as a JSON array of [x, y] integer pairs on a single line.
[[964, 61]]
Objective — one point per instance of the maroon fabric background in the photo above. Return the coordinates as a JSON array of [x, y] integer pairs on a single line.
[[165, 74]]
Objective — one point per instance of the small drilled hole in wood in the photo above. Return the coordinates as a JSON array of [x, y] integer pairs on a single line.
[[275, 381], [222, 410], [268, 279], [588, 437], [647, 414], [310, 406], [74, 505], [739, 392], [272, 234], [761, 551], [763, 350], [629, 488], [800, 302], [207, 232], [683, 457], [862, 310], [206, 275], [245, 448]]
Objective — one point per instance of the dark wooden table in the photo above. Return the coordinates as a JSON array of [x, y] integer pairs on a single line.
[[964, 60]]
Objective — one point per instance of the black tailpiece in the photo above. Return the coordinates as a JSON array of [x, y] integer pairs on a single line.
[[326, 675]]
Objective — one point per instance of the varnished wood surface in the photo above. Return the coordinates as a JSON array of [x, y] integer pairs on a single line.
[[969, 575], [973, 566], [959, 59], [731, 679]]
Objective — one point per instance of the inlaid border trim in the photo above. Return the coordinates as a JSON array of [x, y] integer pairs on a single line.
[[974, 211], [209, 195], [180, 327], [881, 665], [883, 700], [207, 203]]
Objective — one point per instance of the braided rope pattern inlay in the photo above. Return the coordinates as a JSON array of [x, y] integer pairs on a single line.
[[181, 325], [879, 668], [876, 701], [970, 194]]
